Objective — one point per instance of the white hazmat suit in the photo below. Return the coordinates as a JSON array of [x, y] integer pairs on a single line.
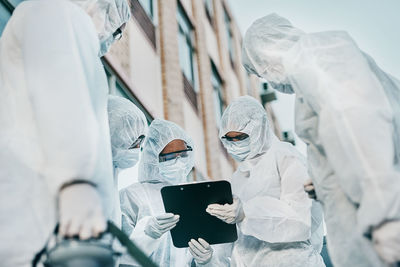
[[127, 124], [142, 201], [278, 224], [348, 113], [53, 116]]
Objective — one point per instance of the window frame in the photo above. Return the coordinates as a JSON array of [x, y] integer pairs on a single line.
[[116, 84], [189, 41], [8, 6], [230, 37], [145, 21], [217, 91], [151, 14], [209, 4]]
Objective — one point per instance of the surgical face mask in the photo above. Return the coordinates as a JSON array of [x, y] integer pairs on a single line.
[[105, 45], [175, 171], [239, 150], [126, 158]]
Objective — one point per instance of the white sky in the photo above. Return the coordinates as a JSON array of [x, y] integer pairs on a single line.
[[374, 24]]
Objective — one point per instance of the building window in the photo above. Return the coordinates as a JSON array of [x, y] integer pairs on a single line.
[[148, 6], [118, 87], [186, 48], [248, 85], [216, 82], [208, 4], [143, 12], [229, 34], [6, 8], [187, 56], [4, 17]]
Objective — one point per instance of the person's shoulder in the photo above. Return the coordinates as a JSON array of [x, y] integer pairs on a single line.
[[130, 190], [131, 195], [56, 6], [323, 39], [52, 14], [284, 150], [317, 48], [279, 145], [325, 34]]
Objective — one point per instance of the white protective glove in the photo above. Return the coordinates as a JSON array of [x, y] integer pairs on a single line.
[[159, 225], [229, 213], [310, 189], [201, 251], [81, 212], [386, 240]]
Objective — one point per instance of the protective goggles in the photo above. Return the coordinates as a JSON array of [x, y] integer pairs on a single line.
[[138, 142], [174, 155], [117, 35], [236, 138]]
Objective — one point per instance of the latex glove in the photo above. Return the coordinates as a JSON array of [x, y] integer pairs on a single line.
[[229, 213], [81, 212], [386, 239], [201, 251], [310, 189], [159, 225]]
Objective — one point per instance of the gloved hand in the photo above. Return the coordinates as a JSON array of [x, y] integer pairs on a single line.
[[229, 213], [310, 189], [161, 224], [386, 239], [81, 212], [201, 251]]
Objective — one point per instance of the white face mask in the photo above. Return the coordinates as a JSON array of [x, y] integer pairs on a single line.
[[126, 158], [175, 171], [105, 45], [239, 150]]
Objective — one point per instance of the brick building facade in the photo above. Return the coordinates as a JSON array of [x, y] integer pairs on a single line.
[[181, 60]]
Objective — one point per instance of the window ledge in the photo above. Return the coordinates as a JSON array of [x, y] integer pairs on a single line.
[[190, 93]]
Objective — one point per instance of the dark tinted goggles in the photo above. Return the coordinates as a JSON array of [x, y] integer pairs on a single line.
[[138, 142], [236, 138], [174, 155]]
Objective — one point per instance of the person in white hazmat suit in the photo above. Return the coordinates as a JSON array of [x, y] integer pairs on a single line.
[[128, 127], [273, 213], [348, 113], [54, 139], [167, 159]]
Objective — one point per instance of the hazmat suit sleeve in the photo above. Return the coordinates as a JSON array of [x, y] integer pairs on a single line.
[[287, 219], [355, 122], [52, 48], [221, 255], [135, 227]]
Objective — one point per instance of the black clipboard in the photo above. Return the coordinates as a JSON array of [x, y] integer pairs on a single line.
[[190, 201]]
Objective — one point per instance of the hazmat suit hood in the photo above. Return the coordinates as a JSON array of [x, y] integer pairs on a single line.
[[245, 114], [127, 124], [160, 134], [108, 16], [264, 46]]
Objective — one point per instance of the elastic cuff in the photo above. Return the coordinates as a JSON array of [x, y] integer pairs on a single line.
[[77, 181]]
